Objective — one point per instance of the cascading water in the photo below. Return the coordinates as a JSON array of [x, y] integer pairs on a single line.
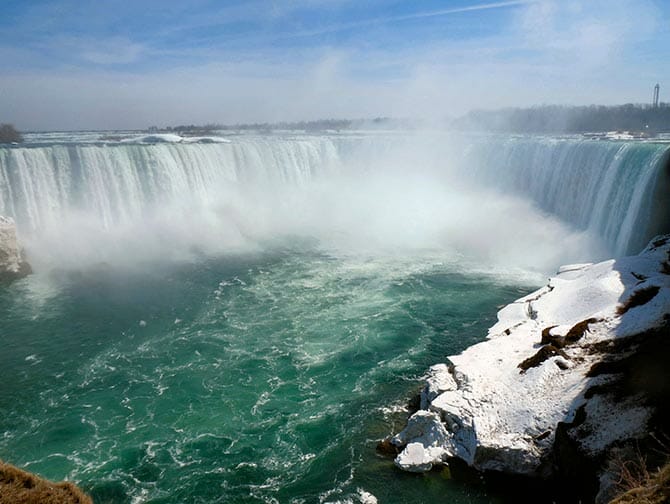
[[323, 275], [604, 188], [40, 186]]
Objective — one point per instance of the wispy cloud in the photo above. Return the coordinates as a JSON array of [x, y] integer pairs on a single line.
[[239, 63], [593, 32], [458, 10], [407, 17], [110, 51]]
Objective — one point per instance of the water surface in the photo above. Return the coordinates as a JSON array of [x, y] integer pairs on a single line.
[[257, 377]]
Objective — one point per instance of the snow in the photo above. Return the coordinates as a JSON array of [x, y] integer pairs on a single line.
[[366, 497], [205, 139], [155, 138], [438, 380], [427, 447], [495, 415], [10, 253]]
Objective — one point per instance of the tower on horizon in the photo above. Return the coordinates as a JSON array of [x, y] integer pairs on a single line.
[[654, 102]]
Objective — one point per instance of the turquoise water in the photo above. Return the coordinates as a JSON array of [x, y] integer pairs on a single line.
[[257, 377], [244, 321]]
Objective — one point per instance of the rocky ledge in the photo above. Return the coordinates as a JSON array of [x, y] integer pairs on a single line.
[[571, 381], [12, 265]]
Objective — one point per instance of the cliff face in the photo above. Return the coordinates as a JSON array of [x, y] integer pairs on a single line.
[[568, 376], [21, 487], [12, 266]]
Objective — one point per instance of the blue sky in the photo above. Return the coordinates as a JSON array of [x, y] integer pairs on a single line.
[[118, 64]]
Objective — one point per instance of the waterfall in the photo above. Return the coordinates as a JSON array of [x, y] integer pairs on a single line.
[[616, 191], [117, 183], [611, 189]]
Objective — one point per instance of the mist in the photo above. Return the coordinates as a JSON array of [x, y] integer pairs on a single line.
[[393, 196]]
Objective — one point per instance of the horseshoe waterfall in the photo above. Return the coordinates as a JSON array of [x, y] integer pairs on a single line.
[[239, 319]]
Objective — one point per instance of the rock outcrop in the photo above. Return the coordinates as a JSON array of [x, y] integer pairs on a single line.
[[12, 265], [21, 487], [569, 373]]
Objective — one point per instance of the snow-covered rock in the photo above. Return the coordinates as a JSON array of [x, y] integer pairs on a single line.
[[155, 138], [425, 442], [171, 138], [546, 367], [438, 380], [12, 265]]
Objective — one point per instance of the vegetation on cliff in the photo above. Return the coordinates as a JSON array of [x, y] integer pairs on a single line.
[[21, 487], [647, 488]]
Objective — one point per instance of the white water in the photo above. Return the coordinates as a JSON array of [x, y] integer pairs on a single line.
[[506, 204], [606, 188]]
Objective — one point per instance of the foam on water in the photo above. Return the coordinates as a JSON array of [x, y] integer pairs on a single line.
[[269, 389], [236, 322]]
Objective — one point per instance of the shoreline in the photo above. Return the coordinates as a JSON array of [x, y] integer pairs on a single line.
[[567, 380]]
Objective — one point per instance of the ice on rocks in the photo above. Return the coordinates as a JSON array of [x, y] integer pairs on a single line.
[[573, 267], [425, 442], [493, 416], [438, 380], [12, 265]]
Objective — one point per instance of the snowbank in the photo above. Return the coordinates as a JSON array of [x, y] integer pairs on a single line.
[[12, 266], [550, 364]]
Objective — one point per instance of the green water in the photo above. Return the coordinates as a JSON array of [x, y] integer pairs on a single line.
[[258, 377]]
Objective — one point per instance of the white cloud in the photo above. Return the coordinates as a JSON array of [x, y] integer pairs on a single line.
[[590, 32], [362, 23], [111, 51], [97, 50]]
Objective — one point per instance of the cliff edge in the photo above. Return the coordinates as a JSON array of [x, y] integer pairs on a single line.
[[572, 380], [21, 487]]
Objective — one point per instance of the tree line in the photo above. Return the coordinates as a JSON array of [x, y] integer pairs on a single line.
[[317, 125], [9, 134], [569, 119]]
